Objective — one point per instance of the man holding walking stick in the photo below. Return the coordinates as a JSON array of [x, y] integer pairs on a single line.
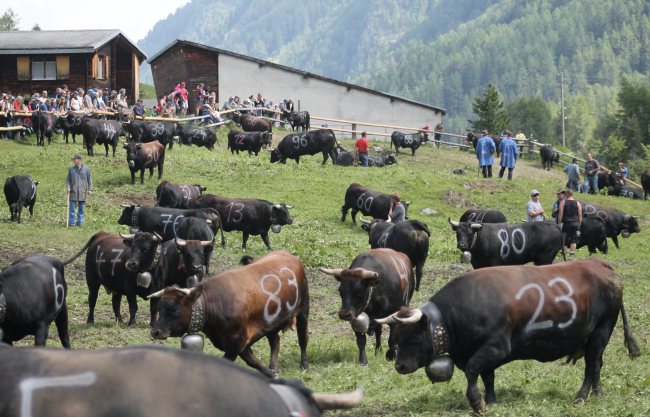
[[78, 183]]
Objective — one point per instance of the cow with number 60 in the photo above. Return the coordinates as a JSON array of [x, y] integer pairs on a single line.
[[237, 308]]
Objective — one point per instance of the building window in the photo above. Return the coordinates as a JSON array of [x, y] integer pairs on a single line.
[[23, 68], [100, 67], [44, 68]]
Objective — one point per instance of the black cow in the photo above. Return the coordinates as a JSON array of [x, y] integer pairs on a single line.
[[141, 156], [251, 142], [194, 228], [294, 145], [369, 202], [297, 119], [408, 140], [33, 295], [252, 123], [487, 318], [182, 196], [250, 216], [645, 183], [483, 216], [20, 191], [102, 132], [167, 221], [615, 220], [378, 282], [199, 136], [633, 193], [162, 132], [548, 157], [606, 180], [593, 234], [73, 123], [471, 137], [410, 238], [125, 115], [459, 172], [508, 244], [175, 262], [52, 382], [43, 125], [346, 159]]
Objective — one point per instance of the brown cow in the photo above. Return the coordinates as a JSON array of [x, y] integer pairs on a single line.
[[237, 308], [250, 123], [141, 156]]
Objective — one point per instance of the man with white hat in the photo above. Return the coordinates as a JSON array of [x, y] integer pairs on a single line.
[[534, 210]]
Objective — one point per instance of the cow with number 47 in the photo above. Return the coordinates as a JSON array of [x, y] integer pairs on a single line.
[[487, 318], [237, 308]]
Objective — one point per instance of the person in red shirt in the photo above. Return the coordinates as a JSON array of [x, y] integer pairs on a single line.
[[361, 150]]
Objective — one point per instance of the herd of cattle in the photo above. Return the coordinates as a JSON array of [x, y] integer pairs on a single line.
[[477, 322]]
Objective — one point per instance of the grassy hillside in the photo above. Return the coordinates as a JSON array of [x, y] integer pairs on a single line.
[[319, 238]]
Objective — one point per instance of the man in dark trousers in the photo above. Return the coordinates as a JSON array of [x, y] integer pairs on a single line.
[[485, 148], [361, 150], [509, 153], [591, 173], [79, 183], [570, 217]]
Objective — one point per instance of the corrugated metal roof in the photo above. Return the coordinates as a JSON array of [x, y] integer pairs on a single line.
[[58, 41], [304, 73]]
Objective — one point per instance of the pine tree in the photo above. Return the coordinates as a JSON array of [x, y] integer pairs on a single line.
[[36, 27], [615, 149], [9, 20], [492, 115]]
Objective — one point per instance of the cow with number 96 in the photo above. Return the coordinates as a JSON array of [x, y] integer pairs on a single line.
[[237, 308]]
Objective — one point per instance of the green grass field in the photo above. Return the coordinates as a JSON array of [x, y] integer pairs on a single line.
[[319, 238]]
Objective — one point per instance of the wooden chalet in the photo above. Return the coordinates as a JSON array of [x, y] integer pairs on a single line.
[[33, 61]]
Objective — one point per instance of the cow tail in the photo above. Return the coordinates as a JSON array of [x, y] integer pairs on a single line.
[[223, 240], [80, 252], [162, 189], [246, 260], [633, 350]]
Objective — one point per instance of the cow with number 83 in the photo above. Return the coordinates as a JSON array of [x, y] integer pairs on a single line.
[[487, 318], [237, 308]]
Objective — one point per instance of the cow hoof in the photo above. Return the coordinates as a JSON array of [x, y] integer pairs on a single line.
[[480, 408], [132, 326], [304, 366], [390, 355], [90, 321], [363, 363]]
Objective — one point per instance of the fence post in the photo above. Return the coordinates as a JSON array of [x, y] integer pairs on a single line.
[[354, 127], [530, 147]]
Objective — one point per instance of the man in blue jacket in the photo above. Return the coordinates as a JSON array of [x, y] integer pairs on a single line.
[[509, 152], [485, 153], [79, 183]]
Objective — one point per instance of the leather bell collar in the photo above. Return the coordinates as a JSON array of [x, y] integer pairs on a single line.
[[197, 316], [156, 258], [3, 308], [437, 328], [134, 216]]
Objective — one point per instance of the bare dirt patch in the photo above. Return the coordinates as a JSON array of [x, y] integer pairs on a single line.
[[457, 199], [117, 198], [487, 185]]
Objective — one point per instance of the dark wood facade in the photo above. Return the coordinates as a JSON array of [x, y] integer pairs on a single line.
[[121, 71], [189, 64]]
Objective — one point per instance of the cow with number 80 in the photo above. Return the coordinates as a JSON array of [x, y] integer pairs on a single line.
[[237, 308], [487, 318]]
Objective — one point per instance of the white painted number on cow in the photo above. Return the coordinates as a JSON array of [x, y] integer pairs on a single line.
[[593, 211], [273, 296], [505, 241], [156, 129], [198, 132], [108, 128], [408, 139], [99, 261], [400, 267], [299, 141], [237, 211], [383, 239], [293, 282], [176, 222], [29, 385], [532, 324], [152, 154], [476, 217], [166, 222], [186, 191], [361, 204], [57, 304], [116, 259], [76, 120]]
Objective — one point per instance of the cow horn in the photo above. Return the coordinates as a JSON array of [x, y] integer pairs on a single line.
[[180, 242], [416, 315], [278, 206], [206, 242], [156, 294], [126, 205], [364, 221], [388, 320], [335, 272], [370, 275], [408, 203], [635, 217], [522, 219], [270, 149], [208, 221], [453, 223], [158, 236], [338, 401], [477, 226], [185, 291], [290, 207], [126, 236]]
